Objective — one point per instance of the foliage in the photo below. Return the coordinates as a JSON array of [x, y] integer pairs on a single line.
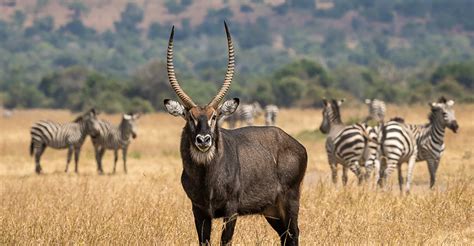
[[292, 56]]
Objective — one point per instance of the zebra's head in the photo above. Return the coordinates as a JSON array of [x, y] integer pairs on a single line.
[[443, 111], [89, 119], [201, 127], [331, 114], [128, 124]]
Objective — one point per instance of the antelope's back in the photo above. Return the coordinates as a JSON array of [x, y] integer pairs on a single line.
[[269, 152]]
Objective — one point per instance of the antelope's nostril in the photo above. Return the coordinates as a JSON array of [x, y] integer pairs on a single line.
[[203, 139]]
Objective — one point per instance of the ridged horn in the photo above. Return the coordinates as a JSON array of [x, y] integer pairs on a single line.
[[230, 71], [187, 101]]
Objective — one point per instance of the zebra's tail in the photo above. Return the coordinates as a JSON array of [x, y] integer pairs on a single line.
[[32, 148], [382, 157]]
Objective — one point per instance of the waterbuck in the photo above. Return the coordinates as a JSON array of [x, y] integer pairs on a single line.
[[226, 173]]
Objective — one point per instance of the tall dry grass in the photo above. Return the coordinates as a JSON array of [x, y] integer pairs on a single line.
[[149, 206]]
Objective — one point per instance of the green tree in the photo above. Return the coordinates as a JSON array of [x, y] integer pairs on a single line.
[[130, 18]]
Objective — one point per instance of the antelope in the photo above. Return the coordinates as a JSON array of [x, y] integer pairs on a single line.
[[244, 171]]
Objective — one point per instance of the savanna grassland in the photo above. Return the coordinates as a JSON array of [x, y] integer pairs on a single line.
[[149, 206]]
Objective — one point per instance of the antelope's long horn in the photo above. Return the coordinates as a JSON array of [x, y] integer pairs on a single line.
[[230, 71], [187, 101]]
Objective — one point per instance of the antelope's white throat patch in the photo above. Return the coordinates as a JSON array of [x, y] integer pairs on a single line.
[[202, 158]]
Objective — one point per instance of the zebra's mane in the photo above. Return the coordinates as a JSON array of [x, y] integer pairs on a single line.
[[79, 119], [335, 109], [442, 99], [433, 114], [398, 119]]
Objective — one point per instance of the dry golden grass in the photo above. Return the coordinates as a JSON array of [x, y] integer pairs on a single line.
[[149, 206]]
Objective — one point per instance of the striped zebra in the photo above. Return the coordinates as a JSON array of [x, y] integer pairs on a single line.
[[351, 146], [70, 135], [377, 110], [244, 113], [271, 112], [115, 138], [397, 146], [430, 137]]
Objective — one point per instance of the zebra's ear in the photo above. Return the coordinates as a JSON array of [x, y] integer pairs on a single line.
[[450, 103], [433, 105], [325, 102], [174, 108], [339, 102], [368, 101], [229, 107], [136, 116], [127, 117]]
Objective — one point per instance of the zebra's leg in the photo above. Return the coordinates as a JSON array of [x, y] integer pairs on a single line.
[[69, 156], [369, 167], [124, 156], [377, 169], [344, 175], [411, 165], [333, 166], [432, 171], [77, 152], [387, 167], [115, 159], [400, 177], [39, 151], [355, 168], [99, 153]]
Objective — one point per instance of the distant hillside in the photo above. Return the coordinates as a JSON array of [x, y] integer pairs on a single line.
[[103, 13], [71, 53]]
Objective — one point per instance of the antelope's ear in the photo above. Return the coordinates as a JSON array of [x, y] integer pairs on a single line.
[[174, 108], [229, 107]]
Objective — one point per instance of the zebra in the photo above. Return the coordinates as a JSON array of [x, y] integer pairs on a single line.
[[430, 136], [397, 145], [271, 112], [46, 133], [377, 110], [350, 145], [115, 138], [244, 113]]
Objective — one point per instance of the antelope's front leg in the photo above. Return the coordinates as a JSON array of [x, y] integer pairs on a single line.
[[203, 223]]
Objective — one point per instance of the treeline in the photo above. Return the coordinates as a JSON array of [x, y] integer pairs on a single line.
[[292, 56], [300, 84]]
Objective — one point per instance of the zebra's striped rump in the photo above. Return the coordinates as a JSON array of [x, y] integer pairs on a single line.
[[397, 145], [351, 146]]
